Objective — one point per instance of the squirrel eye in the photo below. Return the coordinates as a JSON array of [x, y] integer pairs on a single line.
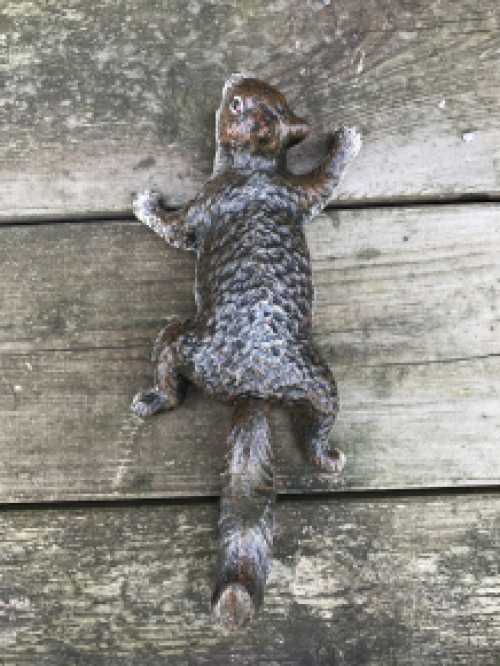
[[236, 105]]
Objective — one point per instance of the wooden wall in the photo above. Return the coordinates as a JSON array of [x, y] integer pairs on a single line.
[[108, 525]]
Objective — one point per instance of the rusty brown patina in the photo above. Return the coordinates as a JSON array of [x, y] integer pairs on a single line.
[[250, 342]]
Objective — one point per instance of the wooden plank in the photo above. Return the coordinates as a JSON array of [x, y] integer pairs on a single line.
[[398, 285], [353, 582], [68, 432], [410, 328], [80, 286], [104, 98], [407, 285]]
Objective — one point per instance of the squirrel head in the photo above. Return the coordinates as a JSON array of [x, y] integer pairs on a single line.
[[255, 120]]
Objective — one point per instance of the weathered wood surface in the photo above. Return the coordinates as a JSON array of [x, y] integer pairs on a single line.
[[102, 99], [353, 582], [68, 431], [393, 285], [407, 315], [105, 98]]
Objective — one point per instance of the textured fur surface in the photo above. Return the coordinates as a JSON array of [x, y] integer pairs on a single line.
[[250, 341]]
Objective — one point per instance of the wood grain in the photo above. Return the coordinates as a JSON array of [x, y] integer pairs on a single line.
[[105, 98], [68, 431], [407, 316], [393, 285], [353, 582]]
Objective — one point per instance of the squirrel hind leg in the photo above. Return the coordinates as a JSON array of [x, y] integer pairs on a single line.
[[311, 431], [170, 386], [314, 407]]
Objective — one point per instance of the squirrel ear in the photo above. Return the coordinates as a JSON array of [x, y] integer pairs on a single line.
[[232, 81]]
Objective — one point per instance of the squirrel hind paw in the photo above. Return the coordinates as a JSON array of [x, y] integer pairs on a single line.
[[149, 402], [330, 461], [234, 608]]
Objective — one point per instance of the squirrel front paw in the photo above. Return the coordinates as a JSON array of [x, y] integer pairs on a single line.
[[146, 204], [350, 140]]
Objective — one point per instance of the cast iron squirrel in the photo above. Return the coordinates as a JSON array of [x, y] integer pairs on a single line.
[[249, 343]]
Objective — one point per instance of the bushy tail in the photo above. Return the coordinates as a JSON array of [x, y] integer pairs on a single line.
[[247, 518]]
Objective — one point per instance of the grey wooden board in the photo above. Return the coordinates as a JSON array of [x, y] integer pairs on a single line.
[[393, 285], [403, 581], [68, 433], [407, 316], [105, 98]]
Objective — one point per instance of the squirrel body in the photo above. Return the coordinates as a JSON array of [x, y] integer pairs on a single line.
[[249, 343]]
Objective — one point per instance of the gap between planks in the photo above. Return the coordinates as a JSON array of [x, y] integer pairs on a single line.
[[395, 364], [365, 204], [344, 497]]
